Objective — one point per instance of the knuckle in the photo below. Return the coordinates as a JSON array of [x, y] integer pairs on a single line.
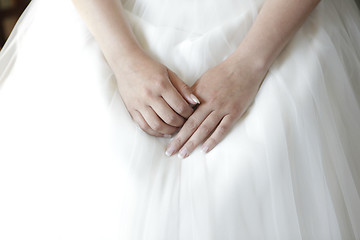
[[223, 129], [172, 120], [206, 129], [156, 126], [149, 131], [159, 82], [147, 93], [143, 126], [185, 110], [191, 125], [190, 145], [182, 108], [177, 142], [171, 131], [213, 100], [236, 109]]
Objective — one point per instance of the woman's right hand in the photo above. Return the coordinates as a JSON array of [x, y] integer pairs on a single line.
[[154, 96], [157, 100]]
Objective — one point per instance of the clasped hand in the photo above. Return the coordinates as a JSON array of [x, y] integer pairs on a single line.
[[162, 104], [157, 100]]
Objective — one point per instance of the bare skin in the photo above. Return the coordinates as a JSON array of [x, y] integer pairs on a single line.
[[225, 91], [154, 96]]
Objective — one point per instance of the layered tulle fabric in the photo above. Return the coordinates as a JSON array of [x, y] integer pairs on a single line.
[[73, 165]]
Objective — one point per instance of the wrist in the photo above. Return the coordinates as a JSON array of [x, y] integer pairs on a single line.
[[251, 66], [124, 60], [254, 62]]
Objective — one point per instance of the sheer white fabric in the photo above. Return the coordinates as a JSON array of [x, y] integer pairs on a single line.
[[73, 165]]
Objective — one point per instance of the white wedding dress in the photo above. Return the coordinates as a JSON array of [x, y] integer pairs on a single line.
[[74, 166]]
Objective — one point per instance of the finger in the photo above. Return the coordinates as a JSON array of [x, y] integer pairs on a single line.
[[138, 118], [156, 123], [187, 130], [177, 102], [220, 132], [183, 88], [167, 114], [199, 136]]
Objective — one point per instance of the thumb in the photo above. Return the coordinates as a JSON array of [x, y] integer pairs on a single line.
[[183, 88]]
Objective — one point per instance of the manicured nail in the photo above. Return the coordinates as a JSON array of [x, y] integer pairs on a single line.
[[193, 97], [167, 136], [205, 149], [183, 153], [170, 151]]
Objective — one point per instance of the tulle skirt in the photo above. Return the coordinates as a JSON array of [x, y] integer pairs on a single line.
[[73, 165]]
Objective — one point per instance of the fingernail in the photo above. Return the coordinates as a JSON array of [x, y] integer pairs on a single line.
[[167, 136], [183, 153], [205, 149], [193, 97], [170, 151]]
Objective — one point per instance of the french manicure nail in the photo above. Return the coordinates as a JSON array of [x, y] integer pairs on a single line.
[[205, 149], [170, 151], [193, 97], [183, 153]]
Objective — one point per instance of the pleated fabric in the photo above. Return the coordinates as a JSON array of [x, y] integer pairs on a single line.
[[73, 165]]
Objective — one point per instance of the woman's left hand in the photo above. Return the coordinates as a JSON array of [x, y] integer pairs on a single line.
[[225, 92]]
